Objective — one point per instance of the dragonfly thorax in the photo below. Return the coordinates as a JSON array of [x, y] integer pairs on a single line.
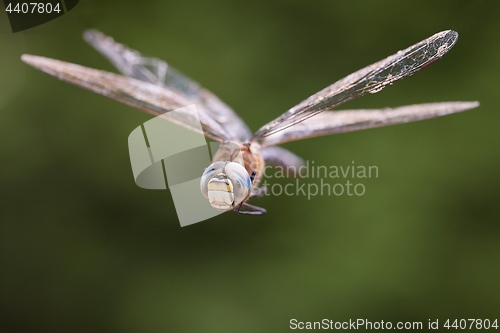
[[225, 185]]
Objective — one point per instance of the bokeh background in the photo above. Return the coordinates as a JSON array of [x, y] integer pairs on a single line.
[[83, 249]]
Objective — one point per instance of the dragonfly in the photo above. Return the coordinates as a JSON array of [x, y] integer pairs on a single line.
[[152, 85]]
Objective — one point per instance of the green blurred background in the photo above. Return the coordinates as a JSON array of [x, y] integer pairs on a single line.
[[83, 249]]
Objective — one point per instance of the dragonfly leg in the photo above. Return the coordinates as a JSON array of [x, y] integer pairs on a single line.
[[252, 176], [250, 209], [258, 192]]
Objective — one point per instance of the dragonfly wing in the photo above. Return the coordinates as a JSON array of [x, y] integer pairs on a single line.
[[370, 79], [156, 71], [332, 122], [145, 96]]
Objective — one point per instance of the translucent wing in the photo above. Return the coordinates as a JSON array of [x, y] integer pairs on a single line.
[[156, 71], [332, 122], [370, 79], [145, 96]]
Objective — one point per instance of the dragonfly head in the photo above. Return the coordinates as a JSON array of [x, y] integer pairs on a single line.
[[225, 185]]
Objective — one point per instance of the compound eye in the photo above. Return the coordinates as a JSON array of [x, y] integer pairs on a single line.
[[242, 184], [211, 171]]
